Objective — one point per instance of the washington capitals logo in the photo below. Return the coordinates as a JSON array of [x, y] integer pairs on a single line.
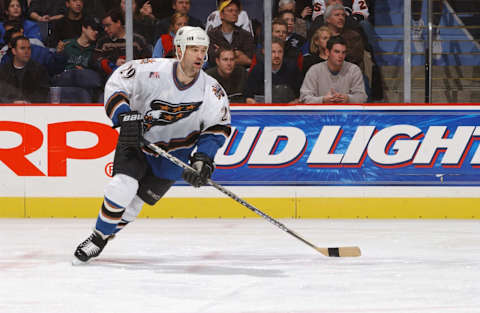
[[163, 112], [218, 91]]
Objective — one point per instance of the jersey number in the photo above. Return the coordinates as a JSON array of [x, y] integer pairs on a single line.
[[362, 5]]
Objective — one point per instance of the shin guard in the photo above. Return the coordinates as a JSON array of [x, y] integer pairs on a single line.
[[118, 194]]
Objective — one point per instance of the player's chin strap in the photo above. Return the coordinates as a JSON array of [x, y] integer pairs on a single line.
[[332, 252]]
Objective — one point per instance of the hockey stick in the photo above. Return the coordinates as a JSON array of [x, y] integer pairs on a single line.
[[332, 252]]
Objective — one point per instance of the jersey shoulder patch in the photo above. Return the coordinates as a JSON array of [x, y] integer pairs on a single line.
[[218, 91]]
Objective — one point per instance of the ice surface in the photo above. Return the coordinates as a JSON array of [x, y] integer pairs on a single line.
[[242, 265]]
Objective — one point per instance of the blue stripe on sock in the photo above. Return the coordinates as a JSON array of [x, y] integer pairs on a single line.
[[104, 227]]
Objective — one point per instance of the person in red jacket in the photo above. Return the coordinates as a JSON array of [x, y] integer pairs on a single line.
[[164, 46]]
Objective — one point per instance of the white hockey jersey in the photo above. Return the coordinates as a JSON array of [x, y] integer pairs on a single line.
[[352, 7], [177, 117]]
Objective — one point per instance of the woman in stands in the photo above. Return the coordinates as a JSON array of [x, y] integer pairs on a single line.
[[14, 11], [318, 48], [164, 46]]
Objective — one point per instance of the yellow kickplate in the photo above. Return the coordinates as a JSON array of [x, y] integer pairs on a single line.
[[463, 208], [12, 207], [165, 208]]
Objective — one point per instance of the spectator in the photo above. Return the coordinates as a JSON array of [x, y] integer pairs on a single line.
[[214, 20], [52, 61], [335, 21], [356, 18], [356, 10], [79, 51], [70, 26], [144, 22], [22, 80], [46, 10], [228, 34], [18, 24], [164, 47], [110, 51], [279, 29], [302, 8], [291, 54], [178, 6], [7, 38], [14, 12], [232, 78], [79, 63], [293, 41], [334, 81], [302, 23], [318, 48], [285, 78], [356, 49]]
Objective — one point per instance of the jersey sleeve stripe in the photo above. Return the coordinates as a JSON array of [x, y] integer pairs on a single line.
[[224, 130], [114, 102], [180, 143]]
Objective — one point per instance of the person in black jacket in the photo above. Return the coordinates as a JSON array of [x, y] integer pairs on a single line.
[[69, 26], [23, 80], [286, 78]]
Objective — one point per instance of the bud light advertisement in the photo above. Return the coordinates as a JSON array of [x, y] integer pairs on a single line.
[[351, 147]]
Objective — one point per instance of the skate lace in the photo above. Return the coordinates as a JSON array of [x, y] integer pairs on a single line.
[[89, 247]]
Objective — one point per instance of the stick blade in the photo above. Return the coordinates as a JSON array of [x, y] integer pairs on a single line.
[[340, 251]]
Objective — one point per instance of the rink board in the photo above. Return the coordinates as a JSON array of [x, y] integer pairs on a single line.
[[434, 208], [300, 161]]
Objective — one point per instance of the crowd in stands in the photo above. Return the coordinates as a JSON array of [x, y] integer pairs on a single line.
[[322, 50]]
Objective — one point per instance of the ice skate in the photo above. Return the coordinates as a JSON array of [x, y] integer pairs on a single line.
[[90, 248]]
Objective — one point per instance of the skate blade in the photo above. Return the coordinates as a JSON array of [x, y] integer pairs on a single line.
[[77, 262]]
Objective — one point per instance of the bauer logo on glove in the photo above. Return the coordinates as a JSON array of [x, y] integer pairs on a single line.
[[131, 129], [132, 117]]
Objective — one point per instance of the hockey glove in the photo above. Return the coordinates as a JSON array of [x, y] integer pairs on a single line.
[[131, 129], [203, 166]]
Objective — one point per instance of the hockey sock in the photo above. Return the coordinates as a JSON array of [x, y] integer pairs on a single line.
[[120, 225], [109, 216], [130, 214], [118, 194]]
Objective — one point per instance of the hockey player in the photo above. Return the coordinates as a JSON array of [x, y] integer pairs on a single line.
[[172, 103]]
